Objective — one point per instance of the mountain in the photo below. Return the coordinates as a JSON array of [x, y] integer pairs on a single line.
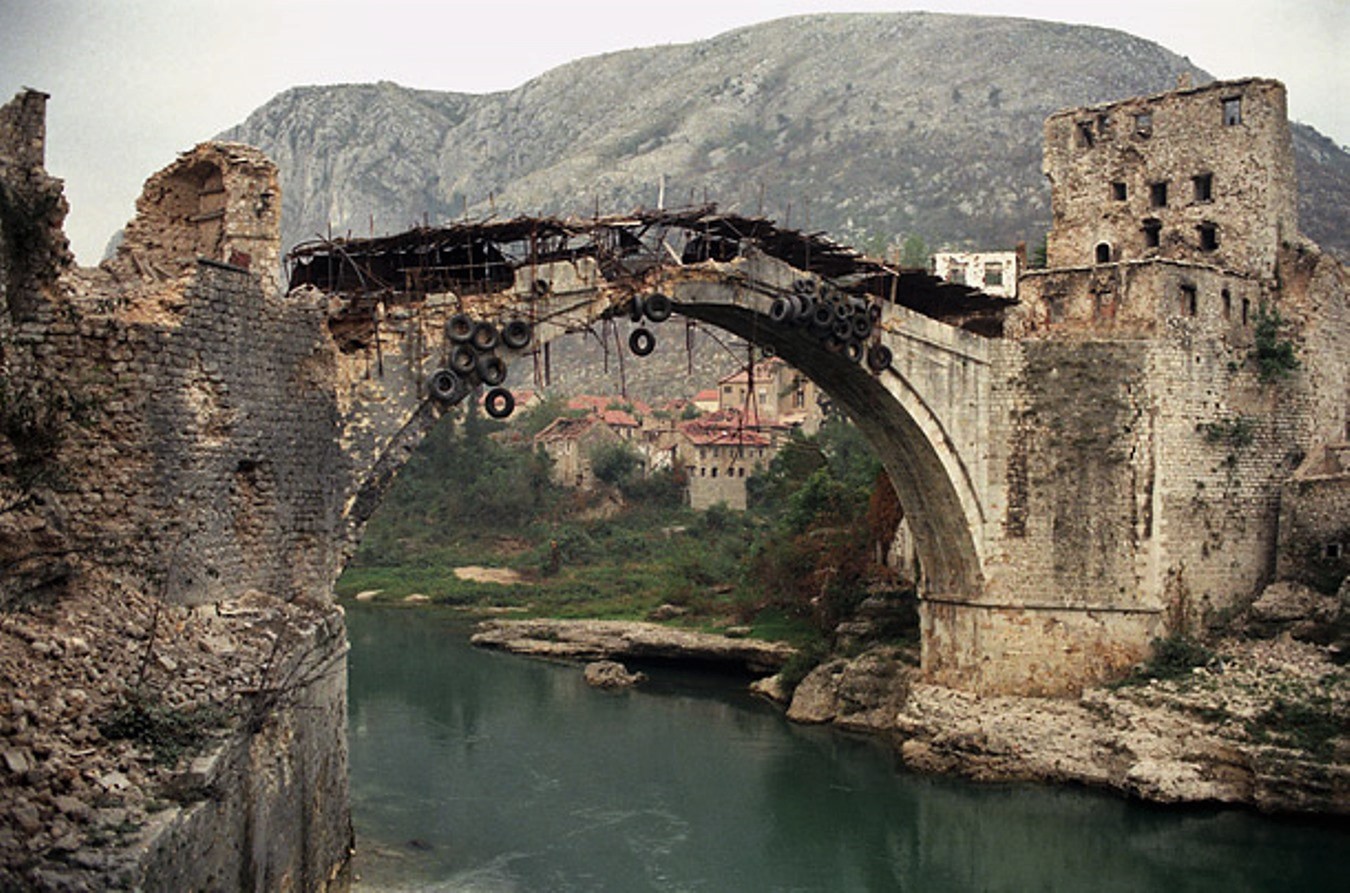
[[871, 127]]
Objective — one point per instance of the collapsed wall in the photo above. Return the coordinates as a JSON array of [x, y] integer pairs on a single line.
[[171, 522]]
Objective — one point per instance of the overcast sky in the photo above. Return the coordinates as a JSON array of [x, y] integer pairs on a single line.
[[135, 82]]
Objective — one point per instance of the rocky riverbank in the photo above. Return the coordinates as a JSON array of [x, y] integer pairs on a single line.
[[589, 640], [1263, 724]]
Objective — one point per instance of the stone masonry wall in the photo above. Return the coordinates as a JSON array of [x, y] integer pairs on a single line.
[[1106, 163]]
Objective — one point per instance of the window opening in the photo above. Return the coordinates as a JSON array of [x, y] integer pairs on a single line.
[[1157, 193], [1227, 304], [1152, 233], [1209, 236], [993, 273], [1103, 125], [956, 273], [1246, 310], [1332, 551], [1085, 137], [1204, 187], [1190, 300], [1143, 124], [1103, 253], [1232, 111], [1118, 192]]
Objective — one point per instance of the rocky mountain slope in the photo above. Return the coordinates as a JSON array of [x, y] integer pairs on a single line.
[[870, 127]]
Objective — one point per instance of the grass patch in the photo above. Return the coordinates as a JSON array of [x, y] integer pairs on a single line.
[[1173, 658]]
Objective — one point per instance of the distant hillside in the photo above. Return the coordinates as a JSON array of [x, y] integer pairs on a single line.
[[869, 127]]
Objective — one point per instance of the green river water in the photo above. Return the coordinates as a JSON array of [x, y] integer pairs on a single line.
[[480, 771]]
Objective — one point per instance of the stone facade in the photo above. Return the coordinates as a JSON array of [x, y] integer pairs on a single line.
[[1203, 174], [992, 272]]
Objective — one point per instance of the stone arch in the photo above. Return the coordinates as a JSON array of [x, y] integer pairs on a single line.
[[933, 482]]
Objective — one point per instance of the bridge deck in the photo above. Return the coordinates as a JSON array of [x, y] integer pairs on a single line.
[[485, 257]]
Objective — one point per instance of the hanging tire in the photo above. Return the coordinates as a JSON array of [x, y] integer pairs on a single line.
[[879, 358], [491, 369], [635, 309], [540, 287], [806, 307], [658, 307], [484, 337], [874, 313], [463, 359], [641, 342], [444, 386], [853, 350], [862, 327], [459, 327], [842, 329], [516, 334], [499, 403], [822, 317], [782, 310], [804, 286]]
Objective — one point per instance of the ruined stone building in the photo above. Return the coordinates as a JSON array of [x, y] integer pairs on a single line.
[[992, 272], [1213, 340]]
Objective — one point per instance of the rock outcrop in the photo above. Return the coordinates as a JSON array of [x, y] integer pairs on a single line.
[[611, 674], [1263, 725], [612, 639]]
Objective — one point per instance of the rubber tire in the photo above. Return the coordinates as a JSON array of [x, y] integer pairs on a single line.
[[505, 397], [874, 313], [822, 318], [854, 351], [491, 369], [806, 308], [463, 359], [879, 358], [444, 386], [635, 309], [484, 337], [516, 334], [804, 286], [842, 329], [782, 310], [641, 342], [658, 307], [862, 327], [459, 328]]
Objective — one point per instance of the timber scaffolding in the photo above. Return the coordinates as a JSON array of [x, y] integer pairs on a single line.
[[486, 257]]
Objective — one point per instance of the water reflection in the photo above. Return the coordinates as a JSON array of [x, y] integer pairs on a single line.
[[478, 771]]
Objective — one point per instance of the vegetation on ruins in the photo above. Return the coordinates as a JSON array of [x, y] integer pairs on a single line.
[[1274, 351]]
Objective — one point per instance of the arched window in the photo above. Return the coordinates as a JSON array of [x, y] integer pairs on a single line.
[[1103, 253]]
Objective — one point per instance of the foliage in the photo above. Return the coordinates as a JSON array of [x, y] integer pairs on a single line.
[[35, 420], [1238, 431], [1173, 657], [1310, 724], [1040, 254], [1274, 353], [615, 463], [913, 252], [800, 665], [168, 731]]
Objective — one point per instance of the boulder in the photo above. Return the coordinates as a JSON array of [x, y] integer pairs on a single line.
[[611, 674], [1300, 610]]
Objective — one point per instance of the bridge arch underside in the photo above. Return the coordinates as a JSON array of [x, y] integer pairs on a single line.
[[940, 523]]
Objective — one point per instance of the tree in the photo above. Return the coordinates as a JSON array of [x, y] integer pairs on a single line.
[[913, 252]]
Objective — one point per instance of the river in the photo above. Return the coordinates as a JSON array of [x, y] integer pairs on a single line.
[[481, 771]]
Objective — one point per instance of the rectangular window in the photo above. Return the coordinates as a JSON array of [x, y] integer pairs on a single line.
[[1157, 194], [1119, 192], [1085, 137], [993, 273], [1143, 124], [1190, 300], [1152, 233], [1204, 187], [957, 273], [1232, 111], [1209, 236], [1246, 310], [1227, 304]]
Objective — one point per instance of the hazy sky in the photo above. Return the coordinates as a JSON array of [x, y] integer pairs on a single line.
[[135, 82]]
